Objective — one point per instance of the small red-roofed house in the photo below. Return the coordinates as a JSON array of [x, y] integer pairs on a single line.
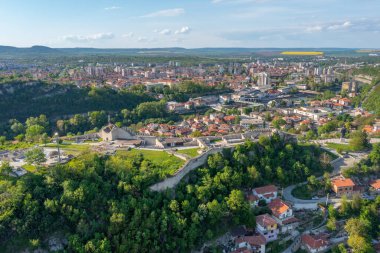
[[375, 185], [267, 193], [314, 243], [255, 243]]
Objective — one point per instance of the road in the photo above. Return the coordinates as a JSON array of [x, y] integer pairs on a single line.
[[338, 164]]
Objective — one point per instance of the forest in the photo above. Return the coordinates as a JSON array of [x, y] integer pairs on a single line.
[[23, 100], [103, 204]]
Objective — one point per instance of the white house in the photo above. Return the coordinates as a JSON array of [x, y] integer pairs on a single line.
[[267, 193]]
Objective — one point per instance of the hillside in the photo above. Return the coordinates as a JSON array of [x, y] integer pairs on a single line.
[[23, 100], [372, 103]]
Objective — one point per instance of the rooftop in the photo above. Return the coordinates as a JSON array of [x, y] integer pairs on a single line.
[[266, 189]]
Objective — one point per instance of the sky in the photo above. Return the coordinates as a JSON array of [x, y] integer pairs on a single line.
[[190, 23]]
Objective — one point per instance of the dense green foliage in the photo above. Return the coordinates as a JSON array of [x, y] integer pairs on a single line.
[[362, 223], [372, 103], [102, 204], [185, 90], [23, 100]]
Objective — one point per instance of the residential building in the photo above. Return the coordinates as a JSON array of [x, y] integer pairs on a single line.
[[253, 243], [266, 193], [314, 243], [343, 186], [283, 214], [267, 226]]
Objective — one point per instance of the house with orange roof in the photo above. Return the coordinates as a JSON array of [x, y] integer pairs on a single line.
[[343, 186], [283, 214], [266, 193], [267, 226], [314, 243], [375, 185]]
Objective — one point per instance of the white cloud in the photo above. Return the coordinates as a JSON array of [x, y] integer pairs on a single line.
[[316, 28], [163, 31], [340, 26], [128, 35], [89, 38], [165, 13], [112, 8], [183, 30]]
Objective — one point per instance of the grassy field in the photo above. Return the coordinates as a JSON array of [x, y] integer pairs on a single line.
[[68, 148], [192, 152], [19, 145], [301, 53], [341, 147], [159, 158]]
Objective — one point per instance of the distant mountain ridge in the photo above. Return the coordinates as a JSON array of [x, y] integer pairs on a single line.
[[170, 51]]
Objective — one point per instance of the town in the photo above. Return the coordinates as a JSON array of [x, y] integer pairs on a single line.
[[205, 109]]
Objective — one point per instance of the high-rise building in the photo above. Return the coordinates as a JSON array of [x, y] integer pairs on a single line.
[[263, 79]]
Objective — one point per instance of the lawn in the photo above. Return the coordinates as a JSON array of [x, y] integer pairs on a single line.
[[30, 168], [192, 152], [68, 148], [302, 192], [340, 147], [19, 145], [159, 158]]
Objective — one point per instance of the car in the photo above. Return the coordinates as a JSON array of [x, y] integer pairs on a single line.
[[315, 198]]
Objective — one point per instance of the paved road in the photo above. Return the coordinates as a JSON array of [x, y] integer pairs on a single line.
[[338, 165]]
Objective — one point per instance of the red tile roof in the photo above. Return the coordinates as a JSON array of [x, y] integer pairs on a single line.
[[343, 182], [265, 220], [266, 189], [376, 184], [290, 220], [277, 206], [254, 240], [314, 241]]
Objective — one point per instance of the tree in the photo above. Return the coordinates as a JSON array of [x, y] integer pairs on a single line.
[[35, 156], [44, 138], [356, 226], [374, 156], [2, 140], [5, 168], [34, 132], [359, 244], [331, 224], [359, 140]]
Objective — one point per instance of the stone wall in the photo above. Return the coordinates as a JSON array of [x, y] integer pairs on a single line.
[[192, 164]]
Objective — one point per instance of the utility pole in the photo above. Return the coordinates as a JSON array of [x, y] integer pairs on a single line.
[[57, 141]]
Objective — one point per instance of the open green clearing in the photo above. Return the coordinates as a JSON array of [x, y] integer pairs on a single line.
[[340, 147], [160, 158], [69, 148], [192, 152]]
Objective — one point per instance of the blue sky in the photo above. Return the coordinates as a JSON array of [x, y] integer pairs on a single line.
[[190, 23]]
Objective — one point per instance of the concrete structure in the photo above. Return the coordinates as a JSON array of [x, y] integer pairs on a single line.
[[112, 133]]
